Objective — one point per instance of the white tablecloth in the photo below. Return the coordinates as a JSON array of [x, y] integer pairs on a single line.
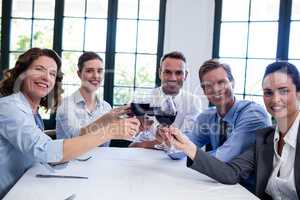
[[124, 173]]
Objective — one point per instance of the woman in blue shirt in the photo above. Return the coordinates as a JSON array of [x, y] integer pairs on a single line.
[[35, 82]]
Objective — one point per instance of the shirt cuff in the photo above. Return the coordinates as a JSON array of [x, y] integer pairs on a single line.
[[189, 161], [55, 151]]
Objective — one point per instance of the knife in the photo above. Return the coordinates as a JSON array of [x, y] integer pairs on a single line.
[[59, 176]]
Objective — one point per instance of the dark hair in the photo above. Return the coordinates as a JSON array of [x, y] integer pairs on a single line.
[[13, 76], [213, 64], [86, 56], [175, 55], [284, 67]]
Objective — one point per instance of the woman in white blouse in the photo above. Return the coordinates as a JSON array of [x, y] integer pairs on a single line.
[[275, 158]]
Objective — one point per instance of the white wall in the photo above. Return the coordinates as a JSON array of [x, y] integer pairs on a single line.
[[189, 29]]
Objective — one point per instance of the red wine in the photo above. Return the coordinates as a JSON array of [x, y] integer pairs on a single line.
[[140, 109], [163, 118]]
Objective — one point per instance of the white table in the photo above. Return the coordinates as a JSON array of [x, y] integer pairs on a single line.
[[125, 173]]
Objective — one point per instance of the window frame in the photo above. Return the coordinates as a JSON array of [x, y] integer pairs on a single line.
[[58, 37], [285, 9]]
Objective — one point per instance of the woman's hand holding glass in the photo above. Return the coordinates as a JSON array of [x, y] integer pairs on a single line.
[[118, 125], [114, 114], [122, 128], [115, 124], [172, 136], [162, 137]]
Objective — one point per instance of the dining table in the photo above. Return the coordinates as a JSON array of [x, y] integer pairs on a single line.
[[121, 173]]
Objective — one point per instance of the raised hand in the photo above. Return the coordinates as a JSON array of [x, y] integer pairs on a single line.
[[146, 122], [122, 128], [112, 116], [163, 135], [182, 142], [115, 114]]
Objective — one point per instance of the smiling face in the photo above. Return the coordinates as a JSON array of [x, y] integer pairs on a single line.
[[280, 95], [39, 78], [91, 75], [217, 87], [172, 75]]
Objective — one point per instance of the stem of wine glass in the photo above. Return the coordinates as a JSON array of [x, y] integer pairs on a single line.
[[163, 145], [171, 147]]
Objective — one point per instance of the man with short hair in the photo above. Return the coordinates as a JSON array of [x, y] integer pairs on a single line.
[[172, 73], [83, 106], [230, 126]]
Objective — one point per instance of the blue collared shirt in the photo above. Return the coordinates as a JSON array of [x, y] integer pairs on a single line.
[[72, 115], [243, 119], [22, 142]]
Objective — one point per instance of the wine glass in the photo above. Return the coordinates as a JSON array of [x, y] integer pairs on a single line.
[[140, 107], [140, 103], [165, 114]]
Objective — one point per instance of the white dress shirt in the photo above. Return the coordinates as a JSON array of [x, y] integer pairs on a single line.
[[282, 186], [73, 114]]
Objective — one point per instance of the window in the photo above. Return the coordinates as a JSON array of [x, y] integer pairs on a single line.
[[247, 41], [128, 32], [32, 24], [84, 29], [136, 47], [294, 47], [0, 23]]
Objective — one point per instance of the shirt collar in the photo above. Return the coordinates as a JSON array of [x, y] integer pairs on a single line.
[[230, 114], [291, 136], [164, 94], [78, 98], [23, 103]]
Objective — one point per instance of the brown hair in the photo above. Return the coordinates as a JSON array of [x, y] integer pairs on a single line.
[[12, 76], [287, 68], [212, 64], [86, 56]]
